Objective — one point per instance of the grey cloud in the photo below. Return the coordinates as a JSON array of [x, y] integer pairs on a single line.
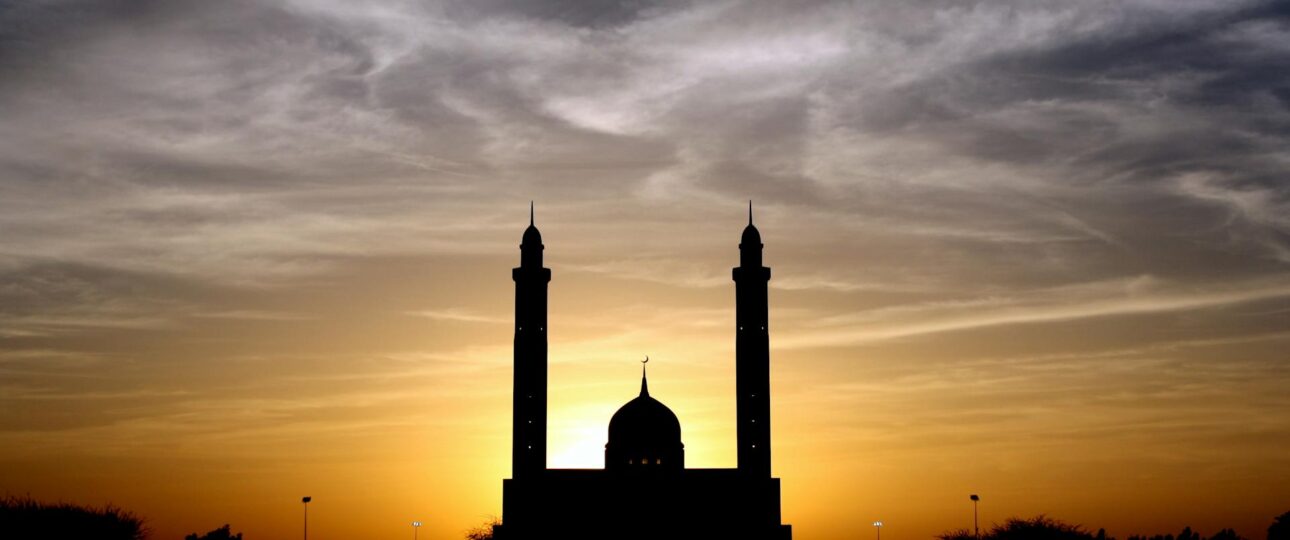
[[574, 13], [1010, 130]]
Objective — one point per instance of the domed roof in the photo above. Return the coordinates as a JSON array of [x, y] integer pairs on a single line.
[[644, 435], [644, 421], [531, 236], [752, 237]]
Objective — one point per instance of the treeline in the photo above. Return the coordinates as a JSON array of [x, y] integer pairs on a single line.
[[23, 518], [1187, 534], [1045, 528]]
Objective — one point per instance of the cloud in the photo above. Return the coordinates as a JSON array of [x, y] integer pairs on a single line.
[[456, 315], [253, 315], [974, 122], [1142, 295]]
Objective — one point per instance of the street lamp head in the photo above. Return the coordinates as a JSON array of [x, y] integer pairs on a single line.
[[306, 499], [974, 497], [416, 523], [877, 524]]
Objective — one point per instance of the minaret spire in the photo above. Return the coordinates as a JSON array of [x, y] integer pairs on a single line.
[[531, 212], [752, 354], [529, 413], [644, 383]]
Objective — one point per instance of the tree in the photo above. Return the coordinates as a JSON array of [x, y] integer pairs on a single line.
[[957, 534], [24, 517], [1037, 528], [1280, 528], [1226, 534], [221, 533], [484, 531]]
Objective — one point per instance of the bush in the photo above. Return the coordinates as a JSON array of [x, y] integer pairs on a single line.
[[1280, 528], [1037, 528], [957, 534], [222, 533], [24, 517], [484, 531]]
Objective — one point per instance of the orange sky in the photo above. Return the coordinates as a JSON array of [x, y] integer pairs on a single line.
[[385, 395], [1035, 250]]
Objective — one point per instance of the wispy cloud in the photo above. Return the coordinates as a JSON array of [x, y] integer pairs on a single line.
[[1106, 299], [457, 315], [253, 315]]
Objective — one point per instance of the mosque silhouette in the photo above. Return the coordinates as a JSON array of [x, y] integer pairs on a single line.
[[644, 491]]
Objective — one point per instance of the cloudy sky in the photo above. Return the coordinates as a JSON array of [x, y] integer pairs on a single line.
[[1036, 250]]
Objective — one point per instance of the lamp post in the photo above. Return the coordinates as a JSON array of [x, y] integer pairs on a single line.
[[877, 526], [305, 501], [415, 525], [976, 527]]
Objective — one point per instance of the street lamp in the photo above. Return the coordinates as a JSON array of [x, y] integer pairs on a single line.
[[976, 528], [305, 501], [877, 525], [415, 525]]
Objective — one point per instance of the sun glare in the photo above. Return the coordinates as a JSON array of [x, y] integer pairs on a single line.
[[578, 447]]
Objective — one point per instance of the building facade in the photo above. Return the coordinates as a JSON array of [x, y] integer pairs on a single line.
[[644, 491]]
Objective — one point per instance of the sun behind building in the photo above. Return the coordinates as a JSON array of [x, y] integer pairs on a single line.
[[644, 491]]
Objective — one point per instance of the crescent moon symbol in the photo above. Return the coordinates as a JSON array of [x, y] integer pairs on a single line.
[[646, 360]]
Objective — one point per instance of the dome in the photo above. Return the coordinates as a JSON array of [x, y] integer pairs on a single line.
[[645, 421], [531, 237], [644, 433], [751, 237]]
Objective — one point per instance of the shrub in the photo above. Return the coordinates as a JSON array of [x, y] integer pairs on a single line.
[[24, 517]]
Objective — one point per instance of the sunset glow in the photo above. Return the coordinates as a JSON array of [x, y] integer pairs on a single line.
[[252, 251]]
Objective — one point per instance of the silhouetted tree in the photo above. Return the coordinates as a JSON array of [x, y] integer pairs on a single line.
[[1188, 534], [1225, 534], [957, 534], [483, 532], [1037, 528], [222, 533], [1280, 528], [24, 517]]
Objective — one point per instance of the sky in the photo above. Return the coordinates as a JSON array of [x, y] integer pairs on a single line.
[[1037, 250]]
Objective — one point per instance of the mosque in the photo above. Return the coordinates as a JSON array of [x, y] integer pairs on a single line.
[[644, 491]]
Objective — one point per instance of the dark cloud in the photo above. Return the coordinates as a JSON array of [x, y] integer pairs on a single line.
[[574, 13], [1002, 122]]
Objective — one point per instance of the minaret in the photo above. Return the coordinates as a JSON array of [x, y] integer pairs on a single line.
[[528, 416], [752, 355]]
